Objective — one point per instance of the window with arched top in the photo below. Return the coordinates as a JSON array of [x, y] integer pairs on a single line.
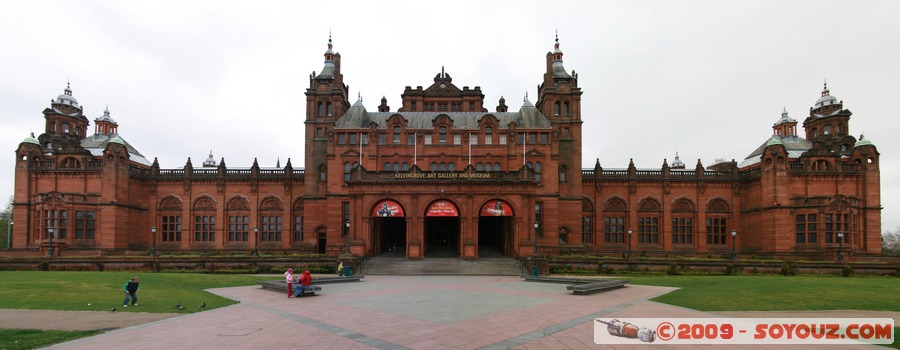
[[488, 135], [649, 212], [683, 217], [321, 109], [563, 174], [718, 218], [323, 173], [442, 166], [396, 166], [451, 166], [479, 167], [433, 166], [396, 135], [328, 108], [237, 210], [488, 167], [270, 219], [204, 211], [169, 212], [497, 166], [587, 221], [614, 214], [565, 108], [442, 135], [556, 108], [404, 167]]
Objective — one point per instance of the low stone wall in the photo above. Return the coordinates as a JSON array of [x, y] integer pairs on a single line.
[[162, 264]]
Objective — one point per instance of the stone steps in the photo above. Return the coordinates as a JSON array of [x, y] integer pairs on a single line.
[[501, 266]]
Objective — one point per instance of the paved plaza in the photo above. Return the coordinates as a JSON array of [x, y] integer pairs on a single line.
[[404, 312]]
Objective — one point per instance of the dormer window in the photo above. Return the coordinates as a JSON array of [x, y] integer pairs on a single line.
[[396, 136], [488, 135], [442, 135]]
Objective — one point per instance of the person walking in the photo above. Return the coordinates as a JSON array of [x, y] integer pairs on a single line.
[[302, 283], [340, 270], [289, 279], [131, 288]]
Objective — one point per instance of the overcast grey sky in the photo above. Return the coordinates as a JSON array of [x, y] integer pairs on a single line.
[[704, 78]]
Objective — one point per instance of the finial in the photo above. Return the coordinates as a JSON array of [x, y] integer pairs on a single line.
[[826, 84], [359, 95], [329, 39], [556, 44]]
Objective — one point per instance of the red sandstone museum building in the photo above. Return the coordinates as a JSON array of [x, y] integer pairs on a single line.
[[443, 174]]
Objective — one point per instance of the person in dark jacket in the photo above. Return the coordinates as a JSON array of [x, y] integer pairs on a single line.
[[131, 288]]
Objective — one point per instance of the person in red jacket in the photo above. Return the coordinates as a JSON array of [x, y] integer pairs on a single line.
[[302, 283]]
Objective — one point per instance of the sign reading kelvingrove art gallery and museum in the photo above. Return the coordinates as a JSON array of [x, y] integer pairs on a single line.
[[436, 175]]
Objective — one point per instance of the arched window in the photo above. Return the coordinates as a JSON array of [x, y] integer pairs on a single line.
[[562, 174], [237, 210], [683, 214], [321, 110], [497, 166], [587, 221], [327, 108], [396, 166], [442, 135], [649, 213], [479, 167], [488, 135], [565, 108], [488, 167], [270, 218], [323, 174], [433, 166], [614, 213], [387, 166], [717, 220], [204, 220], [442, 166], [451, 166], [405, 166], [396, 135], [556, 108]]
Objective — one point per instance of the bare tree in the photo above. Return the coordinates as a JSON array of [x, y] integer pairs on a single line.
[[890, 242]]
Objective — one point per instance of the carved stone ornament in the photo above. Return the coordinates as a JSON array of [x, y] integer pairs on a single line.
[[238, 203]]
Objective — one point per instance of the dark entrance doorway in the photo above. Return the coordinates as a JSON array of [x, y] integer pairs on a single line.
[[320, 243], [393, 236], [388, 229], [442, 237], [493, 234], [495, 229]]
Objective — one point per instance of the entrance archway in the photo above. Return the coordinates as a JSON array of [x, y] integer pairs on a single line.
[[495, 229], [442, 229], [389, 229]]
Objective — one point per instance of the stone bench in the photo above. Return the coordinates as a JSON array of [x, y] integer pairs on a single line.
[[281, 286], [595, 287]]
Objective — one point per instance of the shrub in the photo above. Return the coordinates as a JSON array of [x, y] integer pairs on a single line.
[[730, 270], [847, 271], [673, 269], [787, 270]]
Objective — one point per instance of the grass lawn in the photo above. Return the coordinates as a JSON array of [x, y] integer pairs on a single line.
[[765, 293], [101, 291], [21, 339]]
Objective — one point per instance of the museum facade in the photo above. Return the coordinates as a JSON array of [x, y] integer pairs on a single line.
[[442, 175]]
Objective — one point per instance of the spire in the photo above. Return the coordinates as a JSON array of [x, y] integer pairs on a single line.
[[329, 42], [278, 163]]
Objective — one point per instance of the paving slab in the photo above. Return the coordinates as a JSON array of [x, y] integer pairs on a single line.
[[405, 312]]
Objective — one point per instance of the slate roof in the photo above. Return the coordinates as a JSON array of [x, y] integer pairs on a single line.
[[357, 118], [96, 144]]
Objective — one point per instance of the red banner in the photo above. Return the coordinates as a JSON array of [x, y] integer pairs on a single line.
[[496, 207], [442, 208], [388, 209]]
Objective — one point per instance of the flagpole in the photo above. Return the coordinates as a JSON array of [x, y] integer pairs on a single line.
[[470, 149], [524, 138], [415, 149]]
